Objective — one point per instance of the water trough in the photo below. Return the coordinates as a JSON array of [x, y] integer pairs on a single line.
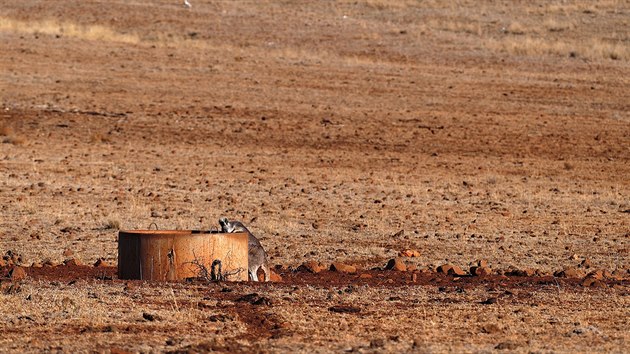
[[179, 254]]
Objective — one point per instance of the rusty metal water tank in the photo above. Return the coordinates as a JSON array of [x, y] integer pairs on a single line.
[[180, 254]]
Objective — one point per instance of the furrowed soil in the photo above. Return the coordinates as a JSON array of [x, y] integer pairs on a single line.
[[343, 131]]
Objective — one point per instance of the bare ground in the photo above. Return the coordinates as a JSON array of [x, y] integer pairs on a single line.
[[481, 130]]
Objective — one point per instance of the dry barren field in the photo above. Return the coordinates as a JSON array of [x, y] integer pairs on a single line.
[[337, 131]]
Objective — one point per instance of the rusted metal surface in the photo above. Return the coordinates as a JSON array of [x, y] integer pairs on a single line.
[[180, 254]]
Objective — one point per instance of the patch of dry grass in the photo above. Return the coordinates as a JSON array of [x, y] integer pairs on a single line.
[[593, 49], [70, 29]]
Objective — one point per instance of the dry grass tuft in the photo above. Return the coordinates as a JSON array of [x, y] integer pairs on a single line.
[[553, 25], [516, 28], [112, 225], [100, 138]]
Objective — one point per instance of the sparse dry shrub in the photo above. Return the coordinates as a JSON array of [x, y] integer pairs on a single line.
[[112, 225], [553, 25], [516, 28], [99, 138]]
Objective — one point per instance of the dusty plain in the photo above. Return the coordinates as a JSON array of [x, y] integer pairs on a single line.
[[338, 131]]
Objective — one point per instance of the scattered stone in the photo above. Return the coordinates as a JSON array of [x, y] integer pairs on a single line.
[[480, 271], [489, 301], [311, 267], [592, 282], [365, 276], [37, 265], [17, 273], [50, 263], [596, 274], [68, 253], [569, 273], [344, 309], [444, 268], [586, 263], [72, 262], [396, 264], [456, 271], [101, 263], [342, 268], [529, 272], [414, 277], [409, 253], [275, 277], [482, 263], [515, 272]]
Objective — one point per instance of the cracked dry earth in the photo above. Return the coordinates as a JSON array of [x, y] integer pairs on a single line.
[[338, 132]]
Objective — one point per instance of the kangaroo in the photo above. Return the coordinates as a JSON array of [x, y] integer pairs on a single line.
[[257, 257]]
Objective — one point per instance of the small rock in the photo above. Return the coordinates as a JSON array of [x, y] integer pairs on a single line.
[[456, 271], [17, 273], [592, 282], [396, 264], [482, 263], [480, 271], [101, 263], [569, 273], [596, 274], [342, 268], [72, 262], [68, 253], [444, 268], [37, 265], [489, 301], [16, 259], [529, 272], [275, 277], [311, 267], [50, 263], [3, 263], [414, 277], [586, 263], [412, 267], [365, 276], [409, 253]]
